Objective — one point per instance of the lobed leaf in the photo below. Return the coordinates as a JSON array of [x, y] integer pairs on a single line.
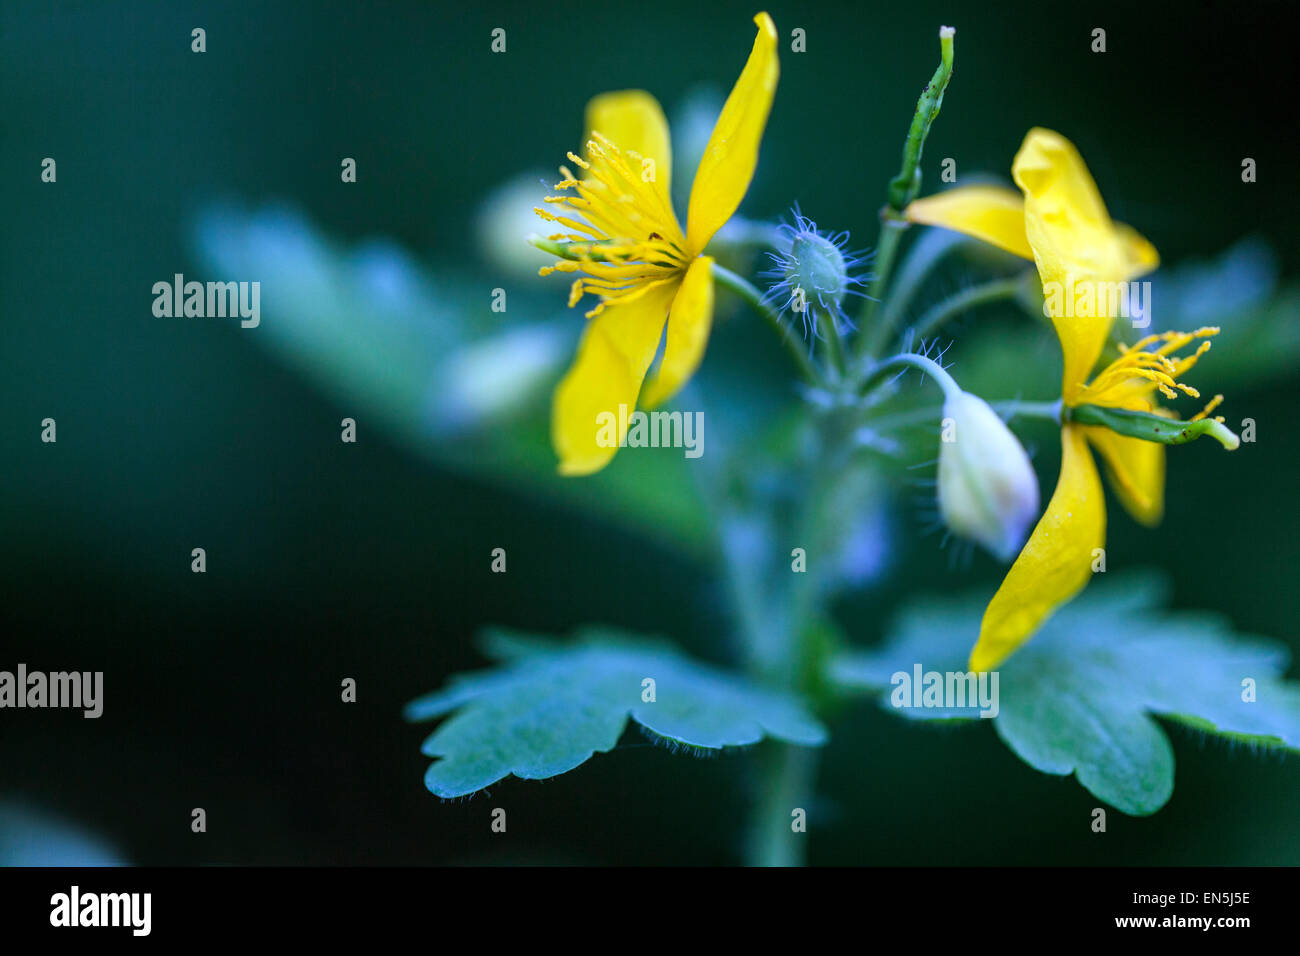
[[1082, 696], [548, 707]]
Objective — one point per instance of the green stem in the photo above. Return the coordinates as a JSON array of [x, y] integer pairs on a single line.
[[932, 246], [871, 338], [834, 345], [1051, 411], [1007, 410], [754, 299], [938, 315], [760, 627], [884, 370], [786, 785], [792, 662], [904, 187], [787, 774]]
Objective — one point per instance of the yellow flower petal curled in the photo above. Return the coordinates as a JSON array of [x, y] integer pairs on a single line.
[[1074, 241], [616, 350], [1136, 252], [635, 121], [993, 214], [689, 322], [1136, 470], [1063, 205], [1056, 562], [727, 165]]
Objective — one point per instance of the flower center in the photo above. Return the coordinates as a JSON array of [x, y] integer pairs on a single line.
[[628, 237]]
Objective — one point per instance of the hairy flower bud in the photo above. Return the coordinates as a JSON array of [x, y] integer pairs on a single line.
[[817, 266], [812, 273], [987, 489]]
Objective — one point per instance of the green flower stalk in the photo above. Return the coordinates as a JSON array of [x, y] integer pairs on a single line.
[[904, 187]]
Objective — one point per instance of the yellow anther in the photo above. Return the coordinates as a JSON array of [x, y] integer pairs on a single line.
[[1121, 384], [627, 238], [1209, 407]]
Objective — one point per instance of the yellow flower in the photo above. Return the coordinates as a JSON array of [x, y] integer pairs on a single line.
[[630, 251], [1058, 219]]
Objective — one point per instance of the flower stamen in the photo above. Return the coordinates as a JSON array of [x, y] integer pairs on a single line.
[[628, 237], [1210, 406], [1138, 371]]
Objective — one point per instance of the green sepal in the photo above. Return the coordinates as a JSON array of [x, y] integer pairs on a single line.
[[1149, 427]]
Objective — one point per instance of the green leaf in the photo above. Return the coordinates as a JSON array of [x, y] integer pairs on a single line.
[[550, 706], [1080, 697]]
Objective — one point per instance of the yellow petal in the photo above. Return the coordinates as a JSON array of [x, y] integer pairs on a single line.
[[1056, 562], [1074, 241], [1140, 257], [688, 333], [617, 348], [634, 121], [1136, 470], [727, 165], [993, 214]]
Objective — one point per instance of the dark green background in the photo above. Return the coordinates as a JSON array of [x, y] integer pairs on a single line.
[[328, 561]]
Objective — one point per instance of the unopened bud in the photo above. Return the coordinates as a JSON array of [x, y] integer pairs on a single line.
[[817, 266], [987, 489], [813, 272]]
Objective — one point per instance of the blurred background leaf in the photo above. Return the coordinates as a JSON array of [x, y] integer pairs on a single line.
[[32, 837]]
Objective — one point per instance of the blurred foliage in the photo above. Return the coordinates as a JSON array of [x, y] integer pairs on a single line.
[[32, 837], [422, 351]]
